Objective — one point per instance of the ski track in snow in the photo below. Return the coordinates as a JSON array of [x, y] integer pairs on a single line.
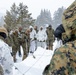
[[31, 65], [34, 66]]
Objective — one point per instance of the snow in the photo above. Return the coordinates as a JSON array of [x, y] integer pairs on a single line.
[[35, 63], [6, 60], [31, 65], [57, 44]]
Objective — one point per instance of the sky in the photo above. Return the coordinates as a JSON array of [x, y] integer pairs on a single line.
[[35, 6]]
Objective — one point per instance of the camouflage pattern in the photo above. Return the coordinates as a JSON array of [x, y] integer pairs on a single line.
[[9, 40], [27, 32], [69, 22], [22, 42], [1, 70], [50, 37], [15, 44], [63, 61]]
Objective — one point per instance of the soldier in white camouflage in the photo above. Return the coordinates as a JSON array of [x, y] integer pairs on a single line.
[[6, 61]]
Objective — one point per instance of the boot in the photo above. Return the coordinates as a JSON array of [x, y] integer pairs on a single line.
[[14, 58], [24, 56], [51, 48], [19, 52], [47, 48]]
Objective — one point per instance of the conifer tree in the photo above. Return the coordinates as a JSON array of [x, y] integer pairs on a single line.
[[44, 18], [18, 16], [57, 17]]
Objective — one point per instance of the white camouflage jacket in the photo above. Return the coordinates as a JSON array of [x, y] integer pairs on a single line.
[[6, 59]]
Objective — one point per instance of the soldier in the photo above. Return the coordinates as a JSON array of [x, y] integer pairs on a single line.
[[27, 32], [19, 38], [41, 37], [58, 37], [36, 41], [50, 37], [22, 41], [58, 32], [6, 60], [32, 39], [63, 61], [9, 40], [36, 29], [15, 44]]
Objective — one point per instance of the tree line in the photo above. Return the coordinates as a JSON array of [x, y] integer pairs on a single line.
[[20, 16], [46, 18]]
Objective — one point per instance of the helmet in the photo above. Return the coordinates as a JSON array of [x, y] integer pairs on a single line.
[[58, 32], [50, 25], [4, 30], [20, 28], [31, 27], [41, 27], [35, 27], [69, 21], [27, 31]]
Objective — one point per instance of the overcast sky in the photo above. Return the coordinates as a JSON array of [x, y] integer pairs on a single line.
[[35, 6]]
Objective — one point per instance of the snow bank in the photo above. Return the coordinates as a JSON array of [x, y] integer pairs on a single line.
[[33, 66]]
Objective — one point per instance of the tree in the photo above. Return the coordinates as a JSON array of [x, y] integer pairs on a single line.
[[44, 18], [18, 16], [11, 17], [24, 18], [57, 19]]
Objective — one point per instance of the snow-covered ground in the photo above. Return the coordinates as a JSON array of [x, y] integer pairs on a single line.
[[31, 65], [35, 63]]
